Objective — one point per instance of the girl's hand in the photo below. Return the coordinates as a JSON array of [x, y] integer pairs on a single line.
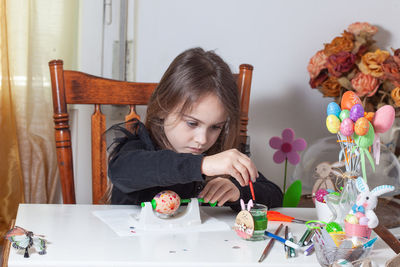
[[231, 162], [221, 190]]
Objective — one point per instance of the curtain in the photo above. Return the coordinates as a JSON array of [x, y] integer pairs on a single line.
[[32, 33]]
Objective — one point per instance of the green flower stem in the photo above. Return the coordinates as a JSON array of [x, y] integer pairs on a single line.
[[284, 178]]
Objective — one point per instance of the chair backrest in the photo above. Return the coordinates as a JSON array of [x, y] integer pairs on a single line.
[[73, 87]]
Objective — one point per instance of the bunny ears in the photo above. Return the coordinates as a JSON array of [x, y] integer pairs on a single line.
[[362, 186], [249, 204]]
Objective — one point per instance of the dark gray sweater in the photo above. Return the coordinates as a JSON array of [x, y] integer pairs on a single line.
[[139, 170]]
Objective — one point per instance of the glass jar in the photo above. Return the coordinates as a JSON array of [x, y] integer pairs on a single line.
[[259, 214]]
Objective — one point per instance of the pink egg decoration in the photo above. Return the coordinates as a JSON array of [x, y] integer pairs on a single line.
[[363, 221], [361, 127], [319, 195], [360, 215], [347, 127], [356, 112], [383, 119], [167, 202]]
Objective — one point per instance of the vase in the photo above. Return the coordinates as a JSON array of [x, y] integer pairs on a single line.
[[347, 199]]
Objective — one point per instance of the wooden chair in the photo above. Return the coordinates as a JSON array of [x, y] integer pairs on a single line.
[[6, 248], [72, 87]]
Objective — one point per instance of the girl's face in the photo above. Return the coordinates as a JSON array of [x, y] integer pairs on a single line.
[[196, 131]]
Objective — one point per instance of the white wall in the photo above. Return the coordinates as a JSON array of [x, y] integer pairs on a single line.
[[276, 37]]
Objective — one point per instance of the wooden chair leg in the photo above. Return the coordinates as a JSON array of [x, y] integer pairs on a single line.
[[6, 248]]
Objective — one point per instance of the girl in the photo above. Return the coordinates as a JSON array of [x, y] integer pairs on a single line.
[[187, 142]]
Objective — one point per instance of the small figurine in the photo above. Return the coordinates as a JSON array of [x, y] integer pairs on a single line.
[[367, 201], [23, 239], [362, 218]]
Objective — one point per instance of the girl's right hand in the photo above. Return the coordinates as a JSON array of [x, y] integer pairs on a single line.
[[231, 162]]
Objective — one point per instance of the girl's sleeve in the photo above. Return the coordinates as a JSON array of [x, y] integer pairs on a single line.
[[265, 191], [133, 168]]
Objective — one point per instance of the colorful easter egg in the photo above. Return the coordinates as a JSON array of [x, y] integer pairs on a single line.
[[369, 115], [166, 202], [333, 227], [363, 221], [359, 215], [344, 114], [320, 194], [356, 112], [383, 119], [349, 99], [361, 127], [333, 124], [367, 140], [333, 109], [347, 127], [351, 218]]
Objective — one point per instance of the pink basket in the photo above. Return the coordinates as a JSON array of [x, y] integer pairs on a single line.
[[357, 230]]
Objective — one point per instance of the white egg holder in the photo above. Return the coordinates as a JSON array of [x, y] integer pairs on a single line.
[[187, 216]]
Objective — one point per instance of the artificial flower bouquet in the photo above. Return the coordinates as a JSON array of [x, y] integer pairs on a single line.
[[353, 62]]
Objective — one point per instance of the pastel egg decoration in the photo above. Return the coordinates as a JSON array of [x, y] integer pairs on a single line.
[[347, 127], [344, 114], [351, 218], [367, 140], [333, 109], [383, 119], [166, 202], [349, 99], [363, 221], [332, 123], [356, 112], [361, 127]]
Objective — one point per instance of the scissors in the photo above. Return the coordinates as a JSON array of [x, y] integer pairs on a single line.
[[273, 215]]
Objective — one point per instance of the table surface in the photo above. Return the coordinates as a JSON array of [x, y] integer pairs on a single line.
[[78, 238]]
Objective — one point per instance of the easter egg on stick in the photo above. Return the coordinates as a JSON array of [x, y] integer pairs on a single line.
[[349, 99], [383, 119], [361, 126]]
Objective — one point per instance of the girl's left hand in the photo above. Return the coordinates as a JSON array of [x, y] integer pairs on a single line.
[[221, 190]]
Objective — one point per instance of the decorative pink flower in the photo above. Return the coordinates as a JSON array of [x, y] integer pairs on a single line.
[[316, 64], [287, 147], [358, 27], [365, 84]]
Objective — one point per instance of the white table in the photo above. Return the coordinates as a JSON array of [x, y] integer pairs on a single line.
[[78, 238]]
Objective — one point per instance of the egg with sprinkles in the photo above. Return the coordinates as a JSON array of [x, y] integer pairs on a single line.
[[166, 202]]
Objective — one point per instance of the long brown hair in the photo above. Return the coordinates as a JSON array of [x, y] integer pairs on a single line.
[[192, 75]]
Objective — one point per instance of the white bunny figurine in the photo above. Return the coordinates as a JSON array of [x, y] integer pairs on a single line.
[[367, 200]]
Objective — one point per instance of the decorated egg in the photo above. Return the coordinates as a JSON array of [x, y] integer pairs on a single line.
[[383, 119], [361, 126], [356, 112], [349, 99], [351, 218], [333, 109], [363, 221], [344, 114], [369, 115], [367, 140], [320, 194], [166, 202], [332, 123], [347, 127], [359, 215], [333, 227]]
